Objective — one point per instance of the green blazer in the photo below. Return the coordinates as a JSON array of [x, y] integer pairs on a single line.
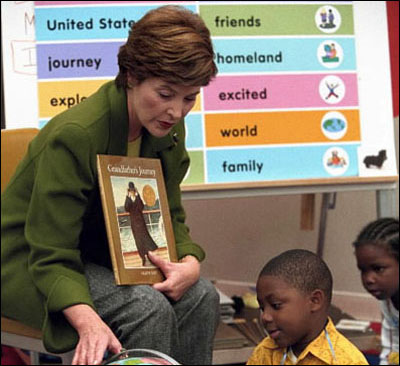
[[51, 214]]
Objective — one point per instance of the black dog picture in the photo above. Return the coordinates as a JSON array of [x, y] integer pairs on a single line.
[[375, 160]]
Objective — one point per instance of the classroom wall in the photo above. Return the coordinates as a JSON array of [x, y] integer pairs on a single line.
[[240, 235]]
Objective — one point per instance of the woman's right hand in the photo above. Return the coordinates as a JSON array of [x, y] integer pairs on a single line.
[[95, 337]]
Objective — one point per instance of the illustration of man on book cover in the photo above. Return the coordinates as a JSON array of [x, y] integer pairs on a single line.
[[140, 221], [134, 205]]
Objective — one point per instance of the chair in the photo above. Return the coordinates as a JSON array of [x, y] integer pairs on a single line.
[[14, 143]]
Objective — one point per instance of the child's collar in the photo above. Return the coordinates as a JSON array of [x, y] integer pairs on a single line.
[[315, 346]]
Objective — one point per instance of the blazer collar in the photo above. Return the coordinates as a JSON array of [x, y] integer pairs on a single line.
[[119, 124], [151, 145]]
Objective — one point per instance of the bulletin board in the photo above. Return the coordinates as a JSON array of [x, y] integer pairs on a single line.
[[303, 94]]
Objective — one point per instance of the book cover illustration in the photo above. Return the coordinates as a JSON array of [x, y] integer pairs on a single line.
[[137, 217]]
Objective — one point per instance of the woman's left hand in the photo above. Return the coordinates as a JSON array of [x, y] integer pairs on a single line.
[[179, 276]]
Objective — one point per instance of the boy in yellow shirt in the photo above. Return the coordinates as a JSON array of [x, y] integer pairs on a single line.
[[294, 291]]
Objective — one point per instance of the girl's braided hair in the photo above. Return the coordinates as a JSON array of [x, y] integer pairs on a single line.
[[383, 232]]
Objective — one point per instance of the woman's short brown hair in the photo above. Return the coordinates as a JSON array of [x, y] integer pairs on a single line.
[[169, 42]]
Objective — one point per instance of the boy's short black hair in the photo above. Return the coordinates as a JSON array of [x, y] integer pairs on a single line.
[[302, 269]]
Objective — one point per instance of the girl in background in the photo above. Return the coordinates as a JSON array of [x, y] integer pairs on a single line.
[[377, 253]]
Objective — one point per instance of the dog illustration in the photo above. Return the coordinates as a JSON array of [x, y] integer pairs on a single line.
[[376, 160]]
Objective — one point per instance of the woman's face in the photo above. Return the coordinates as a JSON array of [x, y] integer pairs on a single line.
[[158, 106], [379, 271]]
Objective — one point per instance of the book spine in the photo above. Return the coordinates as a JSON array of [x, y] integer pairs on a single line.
[[108, 224]]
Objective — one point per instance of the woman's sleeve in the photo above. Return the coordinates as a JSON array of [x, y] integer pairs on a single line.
[[177, 165], [63, 178], [184, 243]]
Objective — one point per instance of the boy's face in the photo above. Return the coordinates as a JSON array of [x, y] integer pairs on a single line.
[[379, 271], [286, 312]]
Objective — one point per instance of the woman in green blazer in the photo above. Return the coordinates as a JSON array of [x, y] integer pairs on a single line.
[[56, 272]]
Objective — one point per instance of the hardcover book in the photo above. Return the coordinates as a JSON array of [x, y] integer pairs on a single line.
[[137, 217]]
